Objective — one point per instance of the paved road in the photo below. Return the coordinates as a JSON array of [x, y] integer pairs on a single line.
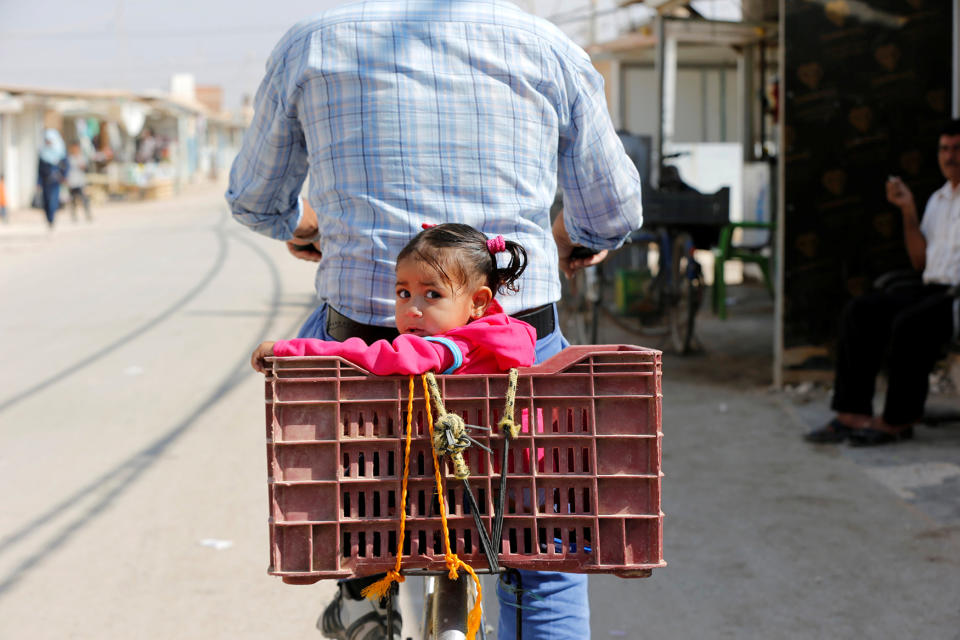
[[131, 434], [131, 451]]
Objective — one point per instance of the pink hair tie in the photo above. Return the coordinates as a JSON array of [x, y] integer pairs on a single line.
[[496, 245], [426, 225]]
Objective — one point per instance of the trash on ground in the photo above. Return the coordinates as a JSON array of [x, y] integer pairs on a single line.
[[214, 543]]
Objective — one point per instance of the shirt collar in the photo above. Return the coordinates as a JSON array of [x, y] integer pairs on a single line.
[[948, 192]]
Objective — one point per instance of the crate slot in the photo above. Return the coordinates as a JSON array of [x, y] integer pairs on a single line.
[[642, 541], [627, 456], [558, 418], [292, 549], [325, 540], [300, 390], [626, 416], [629, 496], [615, 383], [303, 462], [305, 422], [565, 456], [364, 459], [567, 385]]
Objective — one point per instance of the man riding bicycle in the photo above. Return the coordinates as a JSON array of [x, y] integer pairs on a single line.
[[413, 112]]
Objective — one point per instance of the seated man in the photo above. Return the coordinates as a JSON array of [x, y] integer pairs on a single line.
[[906, 327]]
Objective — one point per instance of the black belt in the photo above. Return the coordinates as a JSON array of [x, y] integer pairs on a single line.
[[540, 318], [340, 327]]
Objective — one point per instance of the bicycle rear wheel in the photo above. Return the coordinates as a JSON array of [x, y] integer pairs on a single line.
[[686, 294]]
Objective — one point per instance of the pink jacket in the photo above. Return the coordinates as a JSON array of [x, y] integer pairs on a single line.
[[491, 344]]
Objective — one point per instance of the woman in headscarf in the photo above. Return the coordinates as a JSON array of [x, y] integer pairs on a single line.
[[51, 171]]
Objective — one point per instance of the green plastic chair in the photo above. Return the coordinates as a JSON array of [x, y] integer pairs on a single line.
[[725, 250]]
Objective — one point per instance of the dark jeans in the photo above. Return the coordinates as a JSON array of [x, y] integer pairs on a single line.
[[51, 200], [906, 329]]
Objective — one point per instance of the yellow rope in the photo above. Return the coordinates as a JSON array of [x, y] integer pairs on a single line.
[[506, 424], [451, 559], [379, 589], [447, 423]]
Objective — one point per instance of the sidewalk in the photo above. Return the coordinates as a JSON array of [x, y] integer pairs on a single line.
[[29, 219], [768, 537], [26, 230]]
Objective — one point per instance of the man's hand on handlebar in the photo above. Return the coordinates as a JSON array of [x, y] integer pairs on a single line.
[[304, 251], [580, 258], [573, 257], [303, 245]]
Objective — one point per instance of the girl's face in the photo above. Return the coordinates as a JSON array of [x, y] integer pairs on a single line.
[[428, 305]]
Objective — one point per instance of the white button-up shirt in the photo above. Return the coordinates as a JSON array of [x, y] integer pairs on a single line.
[[941, 229]]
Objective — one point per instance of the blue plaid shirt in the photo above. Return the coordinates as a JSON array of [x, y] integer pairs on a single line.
[[414, 111]]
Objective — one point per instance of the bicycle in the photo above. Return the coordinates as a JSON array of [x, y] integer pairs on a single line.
[[666, 306], [553, 478]]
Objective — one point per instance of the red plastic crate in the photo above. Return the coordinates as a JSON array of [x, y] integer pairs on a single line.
[[583, 482]]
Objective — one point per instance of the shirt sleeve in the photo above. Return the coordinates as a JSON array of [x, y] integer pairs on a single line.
[[601, 186], [406, 355], [271, 166], [927, 221]]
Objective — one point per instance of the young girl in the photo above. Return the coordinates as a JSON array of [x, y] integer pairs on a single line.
[[448, 319]]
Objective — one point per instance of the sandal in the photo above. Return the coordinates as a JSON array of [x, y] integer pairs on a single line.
[[329, 623], [834, 432], [370, 626]]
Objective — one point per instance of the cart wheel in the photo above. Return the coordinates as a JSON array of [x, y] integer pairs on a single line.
[[686, 295]]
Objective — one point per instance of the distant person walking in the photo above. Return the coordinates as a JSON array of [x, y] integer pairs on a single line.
[[51, 172], [3, 200], [77, 181]]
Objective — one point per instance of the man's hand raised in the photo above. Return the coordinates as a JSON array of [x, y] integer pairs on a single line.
[[899, 194]]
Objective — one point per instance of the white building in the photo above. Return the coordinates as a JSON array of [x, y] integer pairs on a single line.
[[197, 140]]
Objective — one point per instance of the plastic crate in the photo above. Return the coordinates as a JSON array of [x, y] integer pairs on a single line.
[[583, 482]]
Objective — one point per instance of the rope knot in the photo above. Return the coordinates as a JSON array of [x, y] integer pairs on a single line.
[[508, 426], [380, 588], [457, 428], [453, 563], [450, 439]]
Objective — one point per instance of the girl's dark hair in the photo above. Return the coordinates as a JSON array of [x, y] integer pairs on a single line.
[[469, 258]]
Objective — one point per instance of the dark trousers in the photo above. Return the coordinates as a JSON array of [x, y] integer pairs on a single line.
[[906, 329], [51, 200], [77, 194]]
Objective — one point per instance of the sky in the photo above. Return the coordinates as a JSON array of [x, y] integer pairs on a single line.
[[138, 44]]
